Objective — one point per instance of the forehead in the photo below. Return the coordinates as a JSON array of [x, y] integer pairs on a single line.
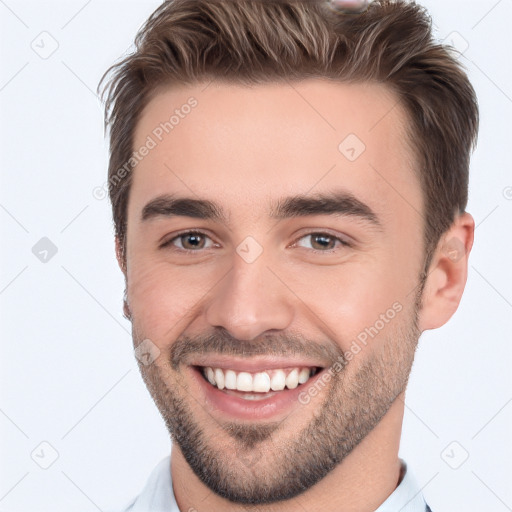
[[256, 143]]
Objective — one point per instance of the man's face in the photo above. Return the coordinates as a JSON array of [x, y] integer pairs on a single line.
[[311, 255]]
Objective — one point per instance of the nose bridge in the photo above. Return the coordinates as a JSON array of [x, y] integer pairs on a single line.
[[249, 301]]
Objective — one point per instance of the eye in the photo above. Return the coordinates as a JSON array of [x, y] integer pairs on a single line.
[[321, 242], [190, 241]]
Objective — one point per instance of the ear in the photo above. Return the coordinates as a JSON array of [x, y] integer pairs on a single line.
[[121, 259], [447, 274]]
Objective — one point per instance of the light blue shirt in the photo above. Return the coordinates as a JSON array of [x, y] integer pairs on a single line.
[[158, 495]]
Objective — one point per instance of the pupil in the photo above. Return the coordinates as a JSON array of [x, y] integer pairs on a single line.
[[324, 241], [194, 241]]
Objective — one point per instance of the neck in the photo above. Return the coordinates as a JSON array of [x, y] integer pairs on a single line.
[[361, 483]]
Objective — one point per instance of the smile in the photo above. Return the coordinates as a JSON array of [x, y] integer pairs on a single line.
[[254, 391], [258, 382]]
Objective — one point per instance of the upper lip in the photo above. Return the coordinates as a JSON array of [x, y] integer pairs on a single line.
[[254, 364]]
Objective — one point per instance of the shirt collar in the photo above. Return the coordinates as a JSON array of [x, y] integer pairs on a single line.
[[407, 497]]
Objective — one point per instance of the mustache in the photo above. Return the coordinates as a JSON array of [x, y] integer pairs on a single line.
[[220, 342]]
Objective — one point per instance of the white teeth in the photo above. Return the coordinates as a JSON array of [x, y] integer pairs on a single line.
[[250, 396], [278, 381], [303, 375], [244, 381], [209, 375], [230, 379], [292, 381], [261, 382], [219, 378]]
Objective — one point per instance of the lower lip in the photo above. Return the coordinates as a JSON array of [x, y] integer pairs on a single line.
[[279, 403]]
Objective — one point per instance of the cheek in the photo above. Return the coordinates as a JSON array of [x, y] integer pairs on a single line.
[[361, 301], [163, 298]]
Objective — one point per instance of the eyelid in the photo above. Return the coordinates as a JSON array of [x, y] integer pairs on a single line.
[[345, 241], [175, 236]]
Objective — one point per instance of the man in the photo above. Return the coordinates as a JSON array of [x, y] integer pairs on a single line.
[[289, 182]]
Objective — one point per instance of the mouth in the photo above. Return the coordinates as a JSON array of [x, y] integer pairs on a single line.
[[254, 394], [257, 385]]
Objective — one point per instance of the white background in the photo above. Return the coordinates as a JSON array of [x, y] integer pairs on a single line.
[[68, 374]]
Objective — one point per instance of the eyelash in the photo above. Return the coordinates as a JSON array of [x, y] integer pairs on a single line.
[[342, 243]]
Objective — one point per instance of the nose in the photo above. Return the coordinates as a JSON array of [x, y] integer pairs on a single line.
[[249, 301]]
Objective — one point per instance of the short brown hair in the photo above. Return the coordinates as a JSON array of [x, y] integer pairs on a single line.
[[262, 41]]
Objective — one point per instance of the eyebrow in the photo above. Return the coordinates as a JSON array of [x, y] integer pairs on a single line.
[[169, 206], [340, 203]]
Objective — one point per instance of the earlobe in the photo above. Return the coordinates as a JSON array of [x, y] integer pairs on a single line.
[[447, 274]]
